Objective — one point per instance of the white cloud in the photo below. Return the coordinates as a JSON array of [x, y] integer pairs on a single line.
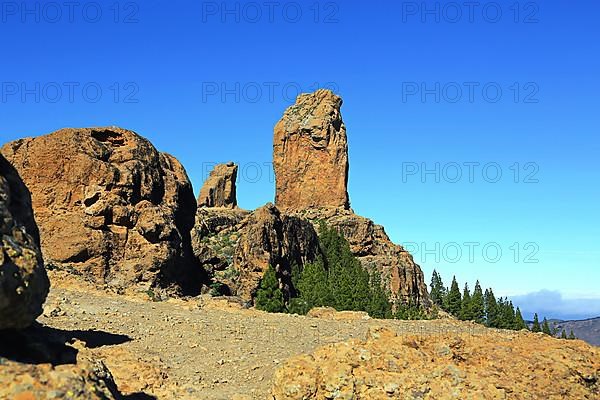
[[551, 304]]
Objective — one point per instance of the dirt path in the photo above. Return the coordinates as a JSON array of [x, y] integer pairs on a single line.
[[201, 349]]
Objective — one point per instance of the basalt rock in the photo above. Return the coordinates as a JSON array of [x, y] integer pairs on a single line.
[[110, 207], [310, 154], [219, 188], [24, 284]]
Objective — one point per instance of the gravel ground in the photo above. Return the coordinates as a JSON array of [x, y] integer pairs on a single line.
[[202, 348]]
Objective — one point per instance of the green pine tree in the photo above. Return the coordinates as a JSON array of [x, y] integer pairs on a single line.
[[438, 291], [572, 335], [491, 309], [563, 334], [313, 287], [379, 304], [465, 308], [546, 327], [536, 324], [269, 297], [477, 305], [454, 300], [506, 314], [348, 281], [519, 321]]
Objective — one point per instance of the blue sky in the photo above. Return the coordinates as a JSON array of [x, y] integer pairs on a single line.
[[438, 99]]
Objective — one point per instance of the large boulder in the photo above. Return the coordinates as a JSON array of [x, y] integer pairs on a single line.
[[219, 188], [310, 154], [110, 207], [24, 284], [443, 366]]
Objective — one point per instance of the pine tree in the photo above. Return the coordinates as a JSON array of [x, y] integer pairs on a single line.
[[506, 313], [519, 321], [563, 334], [438, 291], [546, 327], [348, 281], [312, 286], [379, 304], [491, 309], [465, 308], [536, 324], [572, 335], [269, 297], [454, 300], [477, 305]]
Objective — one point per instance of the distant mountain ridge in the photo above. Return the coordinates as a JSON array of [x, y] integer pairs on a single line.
[[584, 329]]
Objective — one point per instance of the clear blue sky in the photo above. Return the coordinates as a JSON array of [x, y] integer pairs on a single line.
[[207, 81]]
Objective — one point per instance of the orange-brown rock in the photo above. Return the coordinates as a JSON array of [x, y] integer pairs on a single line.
[[310, 154], [236, 247], [24, 284], [219, 188], [110, 207], [268, 237], [495, 365]]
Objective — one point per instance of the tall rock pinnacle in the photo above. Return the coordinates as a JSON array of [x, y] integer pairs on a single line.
[[310, 154], [219, 189]]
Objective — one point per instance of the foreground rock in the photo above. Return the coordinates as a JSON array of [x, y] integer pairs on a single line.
[[110, 207], [37, 364], [445, 366], [219, 189], [310, 154], [24, 284]]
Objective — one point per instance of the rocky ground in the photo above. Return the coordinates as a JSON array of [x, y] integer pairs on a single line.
[[202, 348]]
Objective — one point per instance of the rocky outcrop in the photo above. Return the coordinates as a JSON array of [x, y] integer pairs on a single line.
[[310, 154], [219, 188], [88, 379], [110, 207], [24, 284], [215, 237], [268, 237], [236, 247], [376, 252], [445, 366]]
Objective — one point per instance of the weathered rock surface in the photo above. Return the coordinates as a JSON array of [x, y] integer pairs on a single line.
[[36, 363], [310, 154], [24, 284], [268, 237], [371, 245], [447, 366], [215, 237], [219, 189], [110, 207], [238, 246], [89, 379]]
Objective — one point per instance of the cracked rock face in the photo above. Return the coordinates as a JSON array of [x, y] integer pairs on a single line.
[[109, 206], [310, 154], [24, 284], [219, 188]]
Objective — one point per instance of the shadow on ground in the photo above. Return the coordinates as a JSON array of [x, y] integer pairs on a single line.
[[44, 345]]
